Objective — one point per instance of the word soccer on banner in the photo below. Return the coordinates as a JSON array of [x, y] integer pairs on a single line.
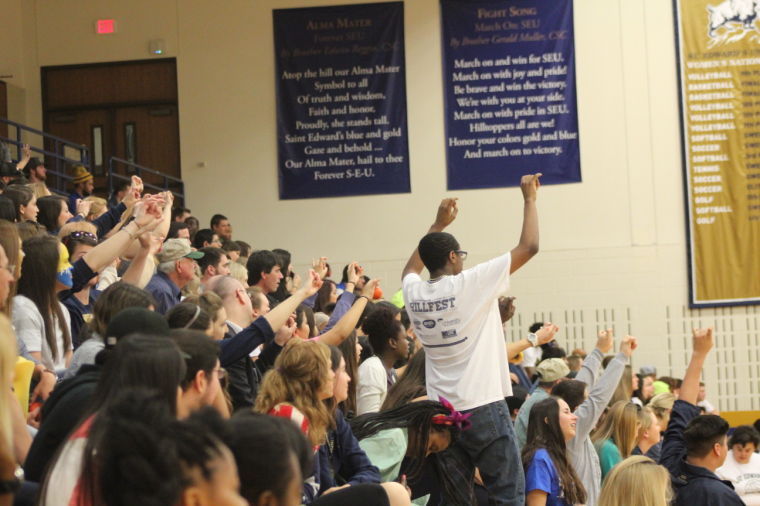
[[719, 70], [509, 73], [341, 100]]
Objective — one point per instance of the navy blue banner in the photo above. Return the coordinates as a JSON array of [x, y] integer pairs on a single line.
[[509, 72], [341, 100]]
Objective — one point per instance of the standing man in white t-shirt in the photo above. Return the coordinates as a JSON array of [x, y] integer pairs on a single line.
[[456, 317]]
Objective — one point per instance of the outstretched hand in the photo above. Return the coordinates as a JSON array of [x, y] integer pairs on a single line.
[[605, 340], [507, 308], [369, 288], [447, 213], [702, 340], [629, 345], [546, 333], [320, 266], [529, 184], [312, 283]]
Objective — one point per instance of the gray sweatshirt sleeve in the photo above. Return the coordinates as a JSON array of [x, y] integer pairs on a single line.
[[590, 369], [592, 408]]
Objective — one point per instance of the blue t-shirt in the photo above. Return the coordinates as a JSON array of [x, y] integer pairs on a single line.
[[542, 475]]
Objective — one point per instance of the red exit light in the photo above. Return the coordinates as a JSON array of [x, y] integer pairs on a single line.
[[105, 26]]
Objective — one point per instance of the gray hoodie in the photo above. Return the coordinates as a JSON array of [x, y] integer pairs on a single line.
[[582, 452]]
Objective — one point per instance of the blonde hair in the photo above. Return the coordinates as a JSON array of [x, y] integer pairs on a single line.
[[645, 418], [39, 190], [98, 207], [621, 424], [239, 272], [661, 404], [77, 226], [8, 356], [300, 373], [637, 480], [624, 390]]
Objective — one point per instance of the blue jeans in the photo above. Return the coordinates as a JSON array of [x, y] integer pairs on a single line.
[[489, 445]]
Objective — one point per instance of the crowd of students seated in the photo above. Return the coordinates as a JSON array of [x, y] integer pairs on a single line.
[[147, 361]]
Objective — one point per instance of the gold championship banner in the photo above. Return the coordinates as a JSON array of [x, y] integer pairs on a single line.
[[719, 69]]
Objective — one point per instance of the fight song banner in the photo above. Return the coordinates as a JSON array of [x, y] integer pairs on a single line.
[[509, 74], [341, 100], [719, 70]]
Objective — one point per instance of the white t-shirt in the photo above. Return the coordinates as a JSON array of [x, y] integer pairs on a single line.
[[457, 320], [372, 387], [30, 328], [745, 477]]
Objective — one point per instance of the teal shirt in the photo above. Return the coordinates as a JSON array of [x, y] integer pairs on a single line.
[[386, 451], [609, 456]]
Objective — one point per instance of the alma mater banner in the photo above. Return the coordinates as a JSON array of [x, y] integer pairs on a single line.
[[341, 100], [509, 73], [719, 71]]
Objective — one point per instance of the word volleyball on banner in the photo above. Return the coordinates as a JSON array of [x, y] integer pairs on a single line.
[[719, 68], [341, 100], [509, 73]]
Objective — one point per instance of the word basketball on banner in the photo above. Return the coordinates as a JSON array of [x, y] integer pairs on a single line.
[[719, 71], [341, 100], [509, 74]]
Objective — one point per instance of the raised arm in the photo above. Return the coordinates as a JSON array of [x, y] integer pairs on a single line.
[[148, 217], [544, 335], [280, 314], [447, 213], [703, 343], [528, 245], [345, 325], [590, 369]]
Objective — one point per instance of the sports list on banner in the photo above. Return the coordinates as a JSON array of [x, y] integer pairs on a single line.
[[509, 73], [341, 100], [719, 58]]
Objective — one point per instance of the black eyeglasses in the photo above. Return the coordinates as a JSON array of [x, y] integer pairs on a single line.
[[462, 254]]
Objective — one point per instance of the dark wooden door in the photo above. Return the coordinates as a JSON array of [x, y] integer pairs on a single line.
[[3, 107], [125, 109], [148, 135]]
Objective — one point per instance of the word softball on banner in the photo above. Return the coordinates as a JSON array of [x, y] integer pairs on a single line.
[[509, 72], [719, 69], [341, 100]]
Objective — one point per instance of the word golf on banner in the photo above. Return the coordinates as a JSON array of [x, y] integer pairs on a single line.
[[719, 70], [509, 72], [341, 100]]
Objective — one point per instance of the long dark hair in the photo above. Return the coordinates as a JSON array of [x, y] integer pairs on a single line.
[[323, 296], [37, 282], [50, 209], [348, 350], [410, 386], [20, 195], [138, 453], [416, 417], [284, 258], [545, 432]]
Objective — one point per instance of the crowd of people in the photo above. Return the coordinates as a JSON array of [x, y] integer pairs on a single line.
[[145, 360]]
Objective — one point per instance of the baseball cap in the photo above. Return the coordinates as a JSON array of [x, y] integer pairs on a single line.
[[552, 369], [174, 249]]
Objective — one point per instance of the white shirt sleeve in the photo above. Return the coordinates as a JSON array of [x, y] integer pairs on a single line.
[[372, 387], [28, 323], [488, 280]]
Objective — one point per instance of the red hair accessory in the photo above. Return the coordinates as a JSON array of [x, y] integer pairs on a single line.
[[454, 418]]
